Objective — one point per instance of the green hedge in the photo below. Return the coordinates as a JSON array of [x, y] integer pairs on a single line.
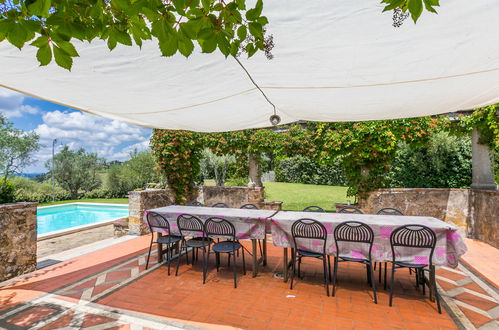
[[301, 169], [7, 193]]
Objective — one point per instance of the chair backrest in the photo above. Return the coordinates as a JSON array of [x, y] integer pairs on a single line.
[[389, 211], [219, 227], [249, 206], [413, 236], [188, 224], [353, 231], [158, 222], [350, 209], [195, 203], [220, 205], [309, 229], [313, 208]]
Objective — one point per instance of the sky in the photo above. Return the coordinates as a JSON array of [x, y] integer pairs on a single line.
[[110, 139]]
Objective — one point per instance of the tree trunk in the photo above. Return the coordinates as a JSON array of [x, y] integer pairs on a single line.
[[255, 174]]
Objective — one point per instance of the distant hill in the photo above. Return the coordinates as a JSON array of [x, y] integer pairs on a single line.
[[30, 175]]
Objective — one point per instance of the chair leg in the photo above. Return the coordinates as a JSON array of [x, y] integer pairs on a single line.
[[380, 270], [178, 258], [326, 276], [244, 262], [435, 291], [422, 279], [169, 256], [205, 268], [373, 281], [391, 284], [368, 273], [234, 268], [299, 267], [329, 267], [384, 284], [293, 266], [335, 270], [217, 257], [149, 253]]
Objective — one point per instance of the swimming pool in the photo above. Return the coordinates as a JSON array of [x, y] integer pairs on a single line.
[[67, 216]]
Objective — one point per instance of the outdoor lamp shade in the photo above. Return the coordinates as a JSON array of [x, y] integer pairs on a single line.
[[333, 61]]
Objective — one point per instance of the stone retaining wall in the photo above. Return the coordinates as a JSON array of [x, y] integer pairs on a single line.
[[17, 239], [477, 211], [139, 201]]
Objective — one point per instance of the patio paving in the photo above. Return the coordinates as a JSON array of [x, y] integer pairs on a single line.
[[110, 289]]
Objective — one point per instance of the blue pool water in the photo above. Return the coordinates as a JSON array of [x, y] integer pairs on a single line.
[[72, 215]]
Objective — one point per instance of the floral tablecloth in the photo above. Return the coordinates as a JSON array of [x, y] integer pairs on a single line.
[[449, 247], [249, 224]]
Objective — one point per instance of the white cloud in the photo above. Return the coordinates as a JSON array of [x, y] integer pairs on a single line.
[[102, 136], [11, 104]]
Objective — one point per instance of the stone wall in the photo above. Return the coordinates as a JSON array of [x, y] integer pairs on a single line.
[[483, 222], [232, 196], [17, 239], [477, 211], [447, 204], [139, 201]]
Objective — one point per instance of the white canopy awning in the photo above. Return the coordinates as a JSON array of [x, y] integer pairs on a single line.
[[333, 61]]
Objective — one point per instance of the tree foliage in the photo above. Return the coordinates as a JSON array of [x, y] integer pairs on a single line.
[[75, 170], [176, 25], [16, 150]]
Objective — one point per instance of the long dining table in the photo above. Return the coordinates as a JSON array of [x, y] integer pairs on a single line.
[[253, 225]]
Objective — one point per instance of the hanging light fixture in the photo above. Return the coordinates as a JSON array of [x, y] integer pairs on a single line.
[[275, 119]]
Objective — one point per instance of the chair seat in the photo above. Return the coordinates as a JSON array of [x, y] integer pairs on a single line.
[[354, 259], [168, 239], [409, 265], [197, 242], [226, 246], [304, 253]]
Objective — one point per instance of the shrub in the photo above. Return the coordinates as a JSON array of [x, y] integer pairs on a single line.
[[7, 193], [237, 182], [28, 190], [444, 163], [299, 169]]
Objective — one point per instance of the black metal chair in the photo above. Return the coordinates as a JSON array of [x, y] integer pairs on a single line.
[[157, 223], [220, 205], [389, 211], [249, 206], [220, 227], [195, 203], [313, 208], [417, 237], [309, 229], [354, 232], [192, 226], [350, 210]]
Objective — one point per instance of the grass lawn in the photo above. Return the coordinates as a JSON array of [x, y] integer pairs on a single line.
[[297, 196], [96, 200]]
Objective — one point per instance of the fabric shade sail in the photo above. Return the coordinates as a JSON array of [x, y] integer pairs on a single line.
[[338, 60]]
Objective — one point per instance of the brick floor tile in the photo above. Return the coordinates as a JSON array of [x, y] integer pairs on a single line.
[[450, 275], [30, 316], [476, 301], [477, 319], [118, 275], [90, 320]]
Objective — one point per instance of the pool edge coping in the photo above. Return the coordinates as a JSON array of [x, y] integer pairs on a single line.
[[72, 230]]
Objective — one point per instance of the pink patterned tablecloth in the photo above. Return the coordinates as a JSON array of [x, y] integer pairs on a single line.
[[249, 224], [449, 247]]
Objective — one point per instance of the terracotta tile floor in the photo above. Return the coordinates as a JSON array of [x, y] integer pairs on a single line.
[[110, 288]]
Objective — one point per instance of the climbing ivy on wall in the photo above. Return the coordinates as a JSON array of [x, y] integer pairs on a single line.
[[367, 148], [486, 120]]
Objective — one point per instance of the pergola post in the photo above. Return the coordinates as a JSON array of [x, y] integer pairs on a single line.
[[482, 160], [255, 174]]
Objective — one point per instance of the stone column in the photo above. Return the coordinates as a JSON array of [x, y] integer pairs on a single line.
[[255, 174], [140, 201], [17, 239], [483, 172]]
